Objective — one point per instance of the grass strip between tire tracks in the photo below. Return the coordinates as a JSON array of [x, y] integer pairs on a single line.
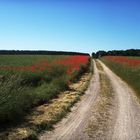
[[98, 126]]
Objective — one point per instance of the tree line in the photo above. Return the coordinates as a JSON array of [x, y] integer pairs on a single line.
[[32, 52], [130, 52]]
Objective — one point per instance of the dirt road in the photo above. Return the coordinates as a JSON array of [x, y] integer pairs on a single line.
[[127, 121], [72, 127], [126, 114]]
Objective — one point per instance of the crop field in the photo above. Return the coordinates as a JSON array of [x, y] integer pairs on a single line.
[[128, 68], [27, 81]]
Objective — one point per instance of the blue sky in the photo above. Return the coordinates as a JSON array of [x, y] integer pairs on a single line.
[[69, 25]]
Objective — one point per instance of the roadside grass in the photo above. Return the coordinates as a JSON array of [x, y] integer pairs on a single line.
[[45, 116], [130, 74], [20, 91]]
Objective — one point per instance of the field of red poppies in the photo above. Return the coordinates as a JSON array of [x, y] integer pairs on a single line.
[[128, 68], [28, 81]]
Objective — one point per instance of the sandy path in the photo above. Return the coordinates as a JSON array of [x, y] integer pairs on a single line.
[[72, 127], [127, 121]]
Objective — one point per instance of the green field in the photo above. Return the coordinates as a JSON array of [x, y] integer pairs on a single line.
[[135, 58], [131, 74], [20, 60], [27, 81]]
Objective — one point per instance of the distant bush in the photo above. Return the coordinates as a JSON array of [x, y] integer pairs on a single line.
[[130, 52]]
